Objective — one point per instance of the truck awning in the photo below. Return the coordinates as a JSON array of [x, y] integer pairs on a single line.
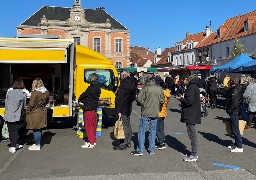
[[27, 50]]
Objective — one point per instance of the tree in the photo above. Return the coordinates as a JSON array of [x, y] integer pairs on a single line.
[[237, 48]]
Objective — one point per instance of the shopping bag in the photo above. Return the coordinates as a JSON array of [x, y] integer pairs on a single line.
[[5, 132], [242, 124], [119, 129]]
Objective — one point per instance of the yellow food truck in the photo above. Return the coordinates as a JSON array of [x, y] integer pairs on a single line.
[[65, 69]]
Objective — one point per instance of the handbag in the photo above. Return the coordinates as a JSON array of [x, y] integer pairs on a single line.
[[5, 132], [242, 124], [119, 129]]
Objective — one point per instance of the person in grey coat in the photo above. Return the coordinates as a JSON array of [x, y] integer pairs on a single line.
[[14, 109], [250, 98]]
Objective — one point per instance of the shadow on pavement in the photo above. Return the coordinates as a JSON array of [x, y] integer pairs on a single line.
[[216, 139], [175, 110], [175, 144], [248, 143], [221, 118]]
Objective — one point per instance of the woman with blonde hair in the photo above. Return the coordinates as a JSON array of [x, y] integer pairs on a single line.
[[36, 112]]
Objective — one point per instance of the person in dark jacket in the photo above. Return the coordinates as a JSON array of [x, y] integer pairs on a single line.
[[191, 113], [234, 101], [169, 81], [90, 99], [212, 86], [158, 79], [125, 96]]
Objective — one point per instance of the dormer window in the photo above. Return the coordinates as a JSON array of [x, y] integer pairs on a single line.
[[246, 26], [218, 33]]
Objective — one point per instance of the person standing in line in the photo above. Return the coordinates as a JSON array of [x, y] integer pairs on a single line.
[[249, 97], [125, 96], [14, 110], [191, 113], [162, 115], [226, 84], [36, 113], [212, 83], [234, 110], [90, 99], [151, 98], [244, 106]]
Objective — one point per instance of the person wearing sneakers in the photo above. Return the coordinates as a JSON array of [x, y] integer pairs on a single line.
[[90, 99], [125, 96], [14, 106], [191, 113], [234, 101], [150, 98], [162, 115], [36, 112]]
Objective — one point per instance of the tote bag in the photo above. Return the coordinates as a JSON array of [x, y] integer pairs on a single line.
[[119, 129]]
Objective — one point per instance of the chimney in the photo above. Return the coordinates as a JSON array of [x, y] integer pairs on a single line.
[[187, 34], [207, 31]]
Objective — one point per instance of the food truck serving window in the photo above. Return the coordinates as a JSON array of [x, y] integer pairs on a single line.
[[106, 77]]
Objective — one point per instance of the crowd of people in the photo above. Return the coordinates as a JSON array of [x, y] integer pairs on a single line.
[[153, 99]]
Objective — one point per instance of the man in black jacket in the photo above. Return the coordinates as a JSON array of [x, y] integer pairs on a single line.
[[234, 101], [90, 99], [125, 96], [191, 113]]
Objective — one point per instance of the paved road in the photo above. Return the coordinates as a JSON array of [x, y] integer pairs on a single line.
[[62, 158]]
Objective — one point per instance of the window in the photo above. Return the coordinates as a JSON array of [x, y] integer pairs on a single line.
[[96, 44], [78, 2], [118, 46], [246, 26], [77, 40], [118, 64], [227, 52], [106, 77]]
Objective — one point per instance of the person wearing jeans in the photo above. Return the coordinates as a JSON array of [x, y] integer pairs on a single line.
[[191, 113], [234, 109], [144, 123], [235, 129], [150, 98], [36, 113], [37, 136]]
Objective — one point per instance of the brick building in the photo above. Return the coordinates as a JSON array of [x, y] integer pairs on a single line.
[[93, 28]]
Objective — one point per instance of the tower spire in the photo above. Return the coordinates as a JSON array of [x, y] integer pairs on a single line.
[[77, 2]]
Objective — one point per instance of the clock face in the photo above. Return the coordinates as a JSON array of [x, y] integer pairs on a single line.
[[77, 18]]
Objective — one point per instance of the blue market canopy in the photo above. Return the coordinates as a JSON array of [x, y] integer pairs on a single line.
[[234, 64], [251, 66]]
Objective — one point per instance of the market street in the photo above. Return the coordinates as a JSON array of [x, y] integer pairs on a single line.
[[61, 156]]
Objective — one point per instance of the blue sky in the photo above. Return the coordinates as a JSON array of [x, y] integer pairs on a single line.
[[151, 23]]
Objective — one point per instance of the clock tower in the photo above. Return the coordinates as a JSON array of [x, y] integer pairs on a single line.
[[77, 13], [77, 2]]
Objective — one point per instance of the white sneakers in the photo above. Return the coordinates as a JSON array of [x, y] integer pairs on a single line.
[[34, 147], [88, 145], [12, 149], [236, 150]]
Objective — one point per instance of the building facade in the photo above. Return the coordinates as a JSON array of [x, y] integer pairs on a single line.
[[92, 28]]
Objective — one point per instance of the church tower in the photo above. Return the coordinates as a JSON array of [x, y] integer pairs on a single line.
[[77, 12]]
